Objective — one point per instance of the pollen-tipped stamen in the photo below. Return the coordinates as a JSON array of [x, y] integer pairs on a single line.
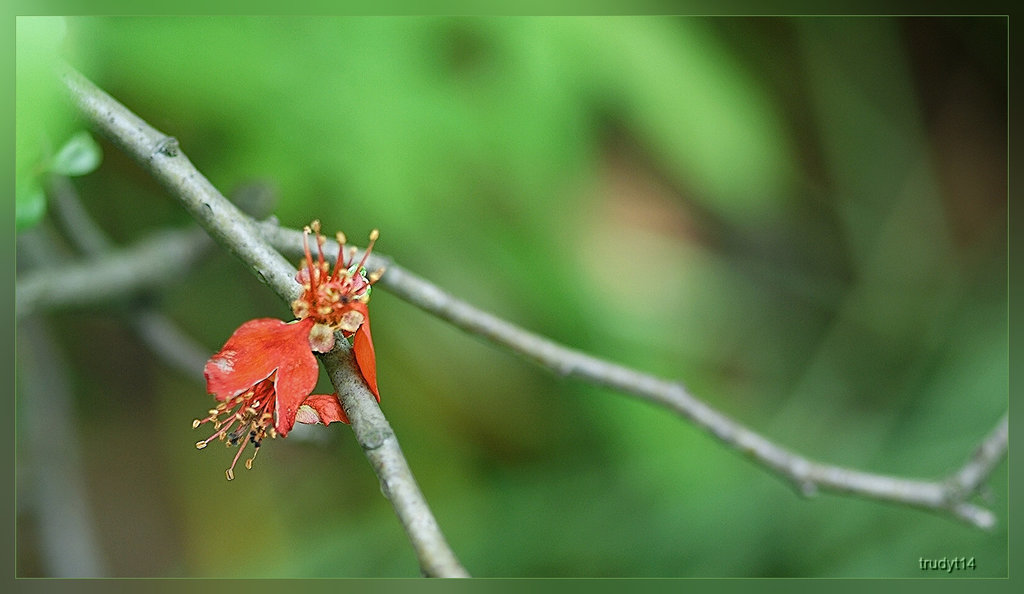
[[309, 256], [339, 264], [369, 248], [319, 248], [220, 427], [248, 418], [230, 473], [248, 463]]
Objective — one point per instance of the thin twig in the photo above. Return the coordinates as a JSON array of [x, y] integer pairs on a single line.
[[989, 453], [807, 475], [81, 229], [161, 157], [381, 447], [155, 328], [152, 262]]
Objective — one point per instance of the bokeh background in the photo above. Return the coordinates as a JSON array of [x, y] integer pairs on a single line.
[[802, 219]]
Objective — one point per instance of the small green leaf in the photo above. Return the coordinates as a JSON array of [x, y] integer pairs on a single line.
[[79, 155], [29, 203]]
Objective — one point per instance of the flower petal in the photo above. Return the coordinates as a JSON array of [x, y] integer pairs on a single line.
[[257, 349], [363, 346], [321, 408]]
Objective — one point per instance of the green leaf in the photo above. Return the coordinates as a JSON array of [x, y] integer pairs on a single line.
[[29, 203], [79, 156], [40, 111]]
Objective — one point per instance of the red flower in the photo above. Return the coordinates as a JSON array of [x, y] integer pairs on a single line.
[[265, 372], [338, 301]]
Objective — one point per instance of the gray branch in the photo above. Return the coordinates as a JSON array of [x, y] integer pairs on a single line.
[[160, 156], [153, 262], [156, 329], [808, 476], [989, 453]]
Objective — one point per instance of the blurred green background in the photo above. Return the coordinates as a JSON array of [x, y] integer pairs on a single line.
[[803, 220]]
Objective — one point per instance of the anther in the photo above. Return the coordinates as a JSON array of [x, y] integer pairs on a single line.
[[196, 423], [201, 444], [230, 474], [248, 463], [373, 238]]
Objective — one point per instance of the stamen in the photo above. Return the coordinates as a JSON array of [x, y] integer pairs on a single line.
[[248, 463], [369, 248], [219, 431], [309, 256], [340, 262], [230, 473]]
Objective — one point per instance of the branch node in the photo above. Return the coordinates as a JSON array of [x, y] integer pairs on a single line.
[[807, 489], [168, 146], [373, 439]]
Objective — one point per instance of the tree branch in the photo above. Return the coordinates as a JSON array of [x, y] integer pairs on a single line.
[[807, 475], [160, 156], [152, 262], [988, 453]]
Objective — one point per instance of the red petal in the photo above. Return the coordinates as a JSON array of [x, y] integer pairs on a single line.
[[328, 408], [256, 350], [363, 346]]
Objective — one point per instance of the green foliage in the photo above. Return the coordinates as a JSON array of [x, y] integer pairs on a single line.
[[30, 202], [80, 155], [41, 116], [37, 107]]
